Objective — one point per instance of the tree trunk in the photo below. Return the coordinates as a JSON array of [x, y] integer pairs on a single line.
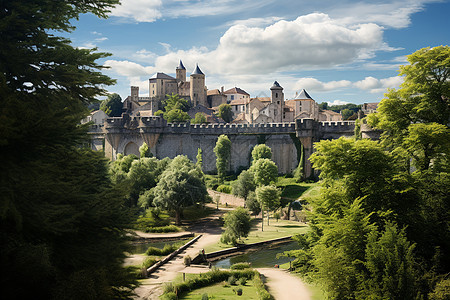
[[262, 220], [289, 211], [178, 217], [267, 218]]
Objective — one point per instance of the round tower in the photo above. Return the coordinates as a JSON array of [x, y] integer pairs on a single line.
[[197, 87], [278, 100], [181, 72]]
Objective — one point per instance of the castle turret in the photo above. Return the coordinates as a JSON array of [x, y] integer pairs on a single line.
[[135, 93], [181, 72], [197, 88], [278, 99]]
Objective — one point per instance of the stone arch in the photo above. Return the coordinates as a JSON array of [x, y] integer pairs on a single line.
[[131, 148]]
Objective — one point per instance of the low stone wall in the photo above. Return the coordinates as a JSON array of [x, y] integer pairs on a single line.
[[226, 199], [169, 257]]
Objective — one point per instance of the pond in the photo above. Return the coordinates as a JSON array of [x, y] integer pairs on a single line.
[[139, 248], [263, 258]]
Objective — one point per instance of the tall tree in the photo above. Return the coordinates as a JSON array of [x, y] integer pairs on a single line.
[[61, 223], [223, 155], [175, 109], [181, 185], [261, 151], [244, 184], [269, 198], [112, 106], [264, 171], [237, 225], [225, 112], [199, 158]]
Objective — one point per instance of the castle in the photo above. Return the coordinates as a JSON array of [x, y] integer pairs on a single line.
[[246, 110]]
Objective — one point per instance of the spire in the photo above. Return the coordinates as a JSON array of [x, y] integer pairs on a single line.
[[180, 66], [197, 71], [276, 86]]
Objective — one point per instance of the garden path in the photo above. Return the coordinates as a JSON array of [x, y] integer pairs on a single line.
[[284, 286]]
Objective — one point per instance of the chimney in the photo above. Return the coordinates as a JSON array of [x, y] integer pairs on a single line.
[[221, 89]]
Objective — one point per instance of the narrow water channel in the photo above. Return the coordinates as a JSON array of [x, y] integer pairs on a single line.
[[263, 258], [139, 248]]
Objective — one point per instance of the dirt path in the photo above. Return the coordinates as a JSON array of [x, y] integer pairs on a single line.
[[284, 286]]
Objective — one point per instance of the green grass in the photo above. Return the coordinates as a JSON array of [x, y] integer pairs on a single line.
[[292, 189], [219, 291], [196, 212], [275, 230]]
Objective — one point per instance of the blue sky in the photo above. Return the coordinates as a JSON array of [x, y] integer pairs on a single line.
[[339, 51]]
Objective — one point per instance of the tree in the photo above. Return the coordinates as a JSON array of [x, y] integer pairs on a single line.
[[112, 106], [252, 203], [298, 173], [60, 213], [244, 184], [181, 185], [144, 151], [176, 115], [199, 158], [225, 112], [264, 171], [175, 109], [237, 225], [346, 113], [223, 155], [269, 198], [141, 177], [261, 151], [199, 118]]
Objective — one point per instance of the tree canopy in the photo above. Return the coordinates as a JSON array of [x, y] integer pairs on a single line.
[[264, 171], [175, 109], [112, 106], [261, 151], [237, 225], [181, 185], [225, 112], [380, 228], [62, 221], [244, 184], [223, 155], [199, 118]]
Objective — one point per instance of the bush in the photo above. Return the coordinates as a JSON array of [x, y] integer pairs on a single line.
[[240, 266], [152, 218], [148, 262], [168, 287], [163, 229], [187, 260], [169, 296], [168, 248], [261, 289], [205, 296], [231, 280], [224, 189], [242, 281]]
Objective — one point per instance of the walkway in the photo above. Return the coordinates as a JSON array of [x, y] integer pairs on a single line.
[[284, 286]]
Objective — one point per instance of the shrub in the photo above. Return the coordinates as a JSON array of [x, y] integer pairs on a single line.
[[205, 296], [240, 266], [231, 280], [187, 260], [224, 189], [163, 229], [242, 281], [169, 296], [168, 248], [148, 262], [261, 289], [168, 287]]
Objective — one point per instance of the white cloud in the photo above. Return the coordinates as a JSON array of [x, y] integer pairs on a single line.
[[337, 102], [375, 85], [129, 69], [101, 39], [316, 85], [138, 10], [166, 46]]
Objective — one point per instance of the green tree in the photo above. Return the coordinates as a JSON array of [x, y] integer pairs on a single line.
[[112, 106], [199, 118], [244, 184], [144, 151], [261, 151], [225, 112], [181, 185], [269, 198], [176, 115], [237, 225], [174, 101], [252, 203], [141, 177], [223, 155], [199, 158], [298, 173], [346, 113], [62, 222], [264, 171]]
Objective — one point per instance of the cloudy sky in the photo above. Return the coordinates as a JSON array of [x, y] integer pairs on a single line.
[[339, 51]]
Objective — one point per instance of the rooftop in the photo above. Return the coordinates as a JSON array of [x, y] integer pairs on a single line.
[[236, 90], [303, 95], [197, 71], [161, 76]]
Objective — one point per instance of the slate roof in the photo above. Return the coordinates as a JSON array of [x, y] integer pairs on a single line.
[[197, 71], [180, 66], [276, 86], [161, 76], [236, 90], [303, 95]]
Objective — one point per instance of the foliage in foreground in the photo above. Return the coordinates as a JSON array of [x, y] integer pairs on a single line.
[[62, 221], [380, 229], [237, 225]]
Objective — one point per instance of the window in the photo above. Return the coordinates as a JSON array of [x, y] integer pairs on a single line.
[[232, 97], [278, 102], [276, 95]]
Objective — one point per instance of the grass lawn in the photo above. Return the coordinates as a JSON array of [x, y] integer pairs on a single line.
[[275, 230], [219, 291], [292, 189]]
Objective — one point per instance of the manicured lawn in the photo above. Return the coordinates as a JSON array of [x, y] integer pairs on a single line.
[[292, 189], [275, 230], [219, 291]]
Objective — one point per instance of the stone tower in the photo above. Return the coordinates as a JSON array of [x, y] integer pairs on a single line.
[[197, 89], [278, 100], [135, 93], [181, 72]]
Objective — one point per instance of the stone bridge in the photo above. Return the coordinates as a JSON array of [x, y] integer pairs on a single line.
[[126, 134]]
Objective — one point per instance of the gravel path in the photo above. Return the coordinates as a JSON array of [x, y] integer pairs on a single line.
[[284, 286]]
